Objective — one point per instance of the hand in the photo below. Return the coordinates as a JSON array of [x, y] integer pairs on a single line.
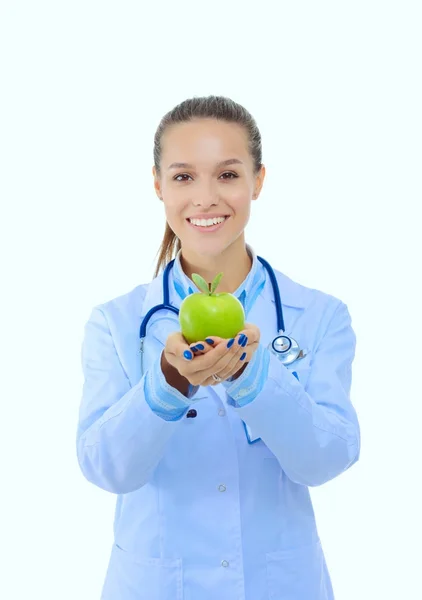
[[212, 356], [196, 367], [239, 359]]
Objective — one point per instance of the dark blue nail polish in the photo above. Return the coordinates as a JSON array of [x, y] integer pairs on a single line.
[[209, 341], [241, 338], [244, 341], [188, 354], [243, 356], [230, 343], [199, 347]]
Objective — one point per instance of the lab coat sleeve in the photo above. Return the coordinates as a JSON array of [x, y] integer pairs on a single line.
[[314, 434], [167, 402], [120, 440], [252, 380]]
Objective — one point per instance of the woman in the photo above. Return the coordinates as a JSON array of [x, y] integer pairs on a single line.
[[202, 513]]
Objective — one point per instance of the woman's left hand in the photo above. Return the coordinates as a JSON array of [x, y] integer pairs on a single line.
[[241, 353]]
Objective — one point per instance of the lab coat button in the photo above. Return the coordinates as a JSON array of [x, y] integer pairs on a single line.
[[222, 488], [224, 563], [221, 412]]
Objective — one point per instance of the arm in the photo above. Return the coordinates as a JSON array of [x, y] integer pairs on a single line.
[[122, 435], [314, 434]]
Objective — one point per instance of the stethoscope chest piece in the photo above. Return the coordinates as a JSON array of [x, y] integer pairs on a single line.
[[286, 349]]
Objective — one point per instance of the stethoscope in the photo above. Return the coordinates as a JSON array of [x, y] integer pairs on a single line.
[[283, 346]]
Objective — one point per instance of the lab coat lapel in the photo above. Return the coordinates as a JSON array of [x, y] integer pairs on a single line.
[[163, 322]]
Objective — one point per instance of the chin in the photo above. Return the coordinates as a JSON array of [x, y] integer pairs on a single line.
[[208, 248]]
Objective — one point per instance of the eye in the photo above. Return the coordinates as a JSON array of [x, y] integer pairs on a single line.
[[229, 175], [181, 177]]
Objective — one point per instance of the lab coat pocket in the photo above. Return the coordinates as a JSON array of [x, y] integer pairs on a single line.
[[301, 369], [302, 375], [298, 573], [133, 577]]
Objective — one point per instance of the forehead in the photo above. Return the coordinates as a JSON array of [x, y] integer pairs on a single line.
[[204, 140]]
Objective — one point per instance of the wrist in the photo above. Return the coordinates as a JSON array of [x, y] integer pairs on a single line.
[[173, 377], [239, 372]]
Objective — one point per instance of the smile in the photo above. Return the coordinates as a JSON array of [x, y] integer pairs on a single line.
[[207, 225], [207, 222]]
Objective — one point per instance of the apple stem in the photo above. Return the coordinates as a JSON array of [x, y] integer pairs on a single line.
[[215, 283], [210, 288]]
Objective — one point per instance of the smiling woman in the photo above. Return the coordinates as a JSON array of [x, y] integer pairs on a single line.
[[208, 164], [212, 444]]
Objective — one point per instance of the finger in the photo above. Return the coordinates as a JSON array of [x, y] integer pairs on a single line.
[[223, 355], [204, 365], [225, 351], [202, 347], [214, 340], [252, 332], [177, 346], [241, 358], [211, 342], [233, 366], [247, 341]]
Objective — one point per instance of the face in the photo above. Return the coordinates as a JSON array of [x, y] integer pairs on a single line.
[[207, 182]]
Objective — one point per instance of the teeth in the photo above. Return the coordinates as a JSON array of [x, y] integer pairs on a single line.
[[207, 222]]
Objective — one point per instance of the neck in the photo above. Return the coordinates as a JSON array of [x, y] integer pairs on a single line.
[[234, 262]]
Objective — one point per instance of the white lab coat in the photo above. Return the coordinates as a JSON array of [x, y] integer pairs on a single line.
[[201, 514]]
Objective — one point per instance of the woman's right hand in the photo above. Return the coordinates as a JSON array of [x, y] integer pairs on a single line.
[[198, 368]]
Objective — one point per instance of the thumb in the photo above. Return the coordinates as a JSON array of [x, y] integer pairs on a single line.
[[176, 345]]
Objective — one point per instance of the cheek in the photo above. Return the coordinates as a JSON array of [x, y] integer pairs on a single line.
[[174, 201], [171, 212], [174, 213], [174, 194], [239, 199]]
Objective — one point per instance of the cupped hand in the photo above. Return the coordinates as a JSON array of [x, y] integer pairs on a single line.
[[225, 358], [243, 346]]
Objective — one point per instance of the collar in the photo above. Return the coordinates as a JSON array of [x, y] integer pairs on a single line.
[[246, 293], [292, 294]]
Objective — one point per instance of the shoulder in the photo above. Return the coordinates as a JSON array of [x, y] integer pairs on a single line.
[[298, 295], [123, 308], [317, 313]]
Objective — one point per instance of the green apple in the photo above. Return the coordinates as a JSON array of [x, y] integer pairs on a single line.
[[207, 313]]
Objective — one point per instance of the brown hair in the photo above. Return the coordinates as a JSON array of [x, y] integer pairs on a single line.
[[210, 107]]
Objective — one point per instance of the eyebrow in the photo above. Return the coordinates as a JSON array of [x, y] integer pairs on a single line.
[[223, 163]]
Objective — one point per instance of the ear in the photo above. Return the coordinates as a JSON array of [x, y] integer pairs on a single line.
[[259, 182], [157, 183]]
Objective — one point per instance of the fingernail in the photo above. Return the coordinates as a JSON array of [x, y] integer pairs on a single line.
[[199, 347], [241, 338], [188, 355], [243, 356], [230, 343], [209, 341], [244, 341]]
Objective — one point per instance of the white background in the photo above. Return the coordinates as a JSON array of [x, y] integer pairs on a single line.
[[336, 90]]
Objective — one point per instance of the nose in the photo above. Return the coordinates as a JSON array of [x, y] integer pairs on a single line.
[[206, 196]]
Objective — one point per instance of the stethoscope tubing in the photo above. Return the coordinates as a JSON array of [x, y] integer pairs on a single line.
[[282, 354]]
